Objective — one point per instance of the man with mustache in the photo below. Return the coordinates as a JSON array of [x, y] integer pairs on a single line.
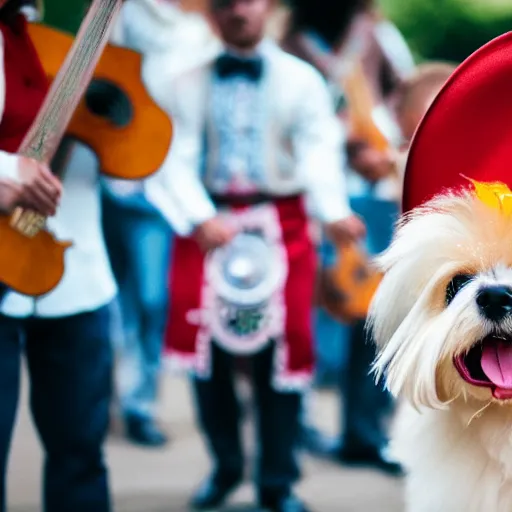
[[256, 137]]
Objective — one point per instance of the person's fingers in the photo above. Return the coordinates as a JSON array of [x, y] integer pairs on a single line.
[[40, 201], [46, 190], [228, 235], [9, 199], [46, 195], [360, 227], [51, 182]]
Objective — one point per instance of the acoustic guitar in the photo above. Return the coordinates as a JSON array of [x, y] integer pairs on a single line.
[[31, 259], [116, 118]]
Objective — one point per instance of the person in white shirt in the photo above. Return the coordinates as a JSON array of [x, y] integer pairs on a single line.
[[138, 238], [256, 143], [336, 37], [64, 335]]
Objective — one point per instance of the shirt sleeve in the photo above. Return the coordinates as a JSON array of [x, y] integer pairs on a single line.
[[177, 189], [395, 49], [8, 161], [117, 34], [318, 144]]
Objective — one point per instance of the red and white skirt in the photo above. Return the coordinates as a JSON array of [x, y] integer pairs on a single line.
[[188, 339]]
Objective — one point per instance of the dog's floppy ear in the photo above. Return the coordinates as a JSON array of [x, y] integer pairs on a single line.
[[468, 129]]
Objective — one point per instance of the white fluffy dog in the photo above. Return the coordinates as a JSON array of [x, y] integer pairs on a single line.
[[442, 320]]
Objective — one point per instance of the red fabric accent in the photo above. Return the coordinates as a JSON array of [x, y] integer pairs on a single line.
[[26, 84], [299, 287], [467, 131], [186, 280]]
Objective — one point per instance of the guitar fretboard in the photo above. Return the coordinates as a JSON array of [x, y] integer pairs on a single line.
[[71, 82], [45, 135]]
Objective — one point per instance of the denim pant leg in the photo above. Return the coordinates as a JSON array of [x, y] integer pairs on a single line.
[[10, 370], [138, 240], [330, 344], [366, 404], [70, 367], [117, 218], [151, 242]]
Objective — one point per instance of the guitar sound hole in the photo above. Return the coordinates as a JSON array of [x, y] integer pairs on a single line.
[[106, 100], [361, 274]]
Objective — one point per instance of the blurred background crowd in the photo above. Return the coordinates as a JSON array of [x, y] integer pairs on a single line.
[[413, 47]]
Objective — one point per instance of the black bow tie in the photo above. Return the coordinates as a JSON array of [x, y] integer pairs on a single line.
[[228, 65]]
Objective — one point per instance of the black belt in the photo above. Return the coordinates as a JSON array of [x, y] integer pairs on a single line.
[[249, 199]]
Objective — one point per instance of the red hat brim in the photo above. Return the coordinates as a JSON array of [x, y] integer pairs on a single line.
[[468, 129]]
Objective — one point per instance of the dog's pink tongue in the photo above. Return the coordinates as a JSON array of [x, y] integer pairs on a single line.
[[497, 363]]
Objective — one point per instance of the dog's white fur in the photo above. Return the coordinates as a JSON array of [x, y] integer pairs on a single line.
[[454, 439]]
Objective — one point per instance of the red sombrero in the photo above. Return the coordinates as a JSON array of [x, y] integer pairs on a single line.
[[468, 129]]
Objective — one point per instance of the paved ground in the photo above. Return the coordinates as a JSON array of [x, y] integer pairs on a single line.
[[161, 481]]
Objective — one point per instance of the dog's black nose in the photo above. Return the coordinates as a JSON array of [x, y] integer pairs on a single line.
[[495, 302]]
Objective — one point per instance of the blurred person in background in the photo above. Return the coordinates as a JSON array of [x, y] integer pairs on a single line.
[[416, 95], [64, 335], [137, 236], [256, 133], [335, 37]]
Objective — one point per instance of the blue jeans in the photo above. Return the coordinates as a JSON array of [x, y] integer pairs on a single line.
[[365, 406], [138, 241], [380, 217], [70, 367], [331, 344], [331, 337]]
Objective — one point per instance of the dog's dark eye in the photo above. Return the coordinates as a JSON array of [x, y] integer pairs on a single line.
[[456, 285]]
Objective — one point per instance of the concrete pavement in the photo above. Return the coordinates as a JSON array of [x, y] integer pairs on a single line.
[[162, 480]]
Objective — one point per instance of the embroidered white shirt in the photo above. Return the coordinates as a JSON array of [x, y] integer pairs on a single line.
[[302, 148], [170, 41]]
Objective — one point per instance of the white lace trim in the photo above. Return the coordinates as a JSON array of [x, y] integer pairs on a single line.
[[266, 218]]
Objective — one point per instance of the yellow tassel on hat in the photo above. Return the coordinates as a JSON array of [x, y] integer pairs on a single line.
[[496, 195]]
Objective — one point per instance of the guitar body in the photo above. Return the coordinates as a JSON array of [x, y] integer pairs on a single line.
[[132, 148], [346, 290], [32, 259], [31, 266]]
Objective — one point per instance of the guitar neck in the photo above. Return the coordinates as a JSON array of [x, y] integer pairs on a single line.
[[346, 72], [46, 133]]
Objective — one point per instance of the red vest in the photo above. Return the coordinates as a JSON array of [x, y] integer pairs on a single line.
[[25, 82]]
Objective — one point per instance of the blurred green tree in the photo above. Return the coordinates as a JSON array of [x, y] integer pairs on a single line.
[[449, 29], [65, 14], [435, 29]]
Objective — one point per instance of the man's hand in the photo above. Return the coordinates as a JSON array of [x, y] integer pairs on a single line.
[[212, 234], [36, 188], [41, 190], [345, 231], [373, 165]]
